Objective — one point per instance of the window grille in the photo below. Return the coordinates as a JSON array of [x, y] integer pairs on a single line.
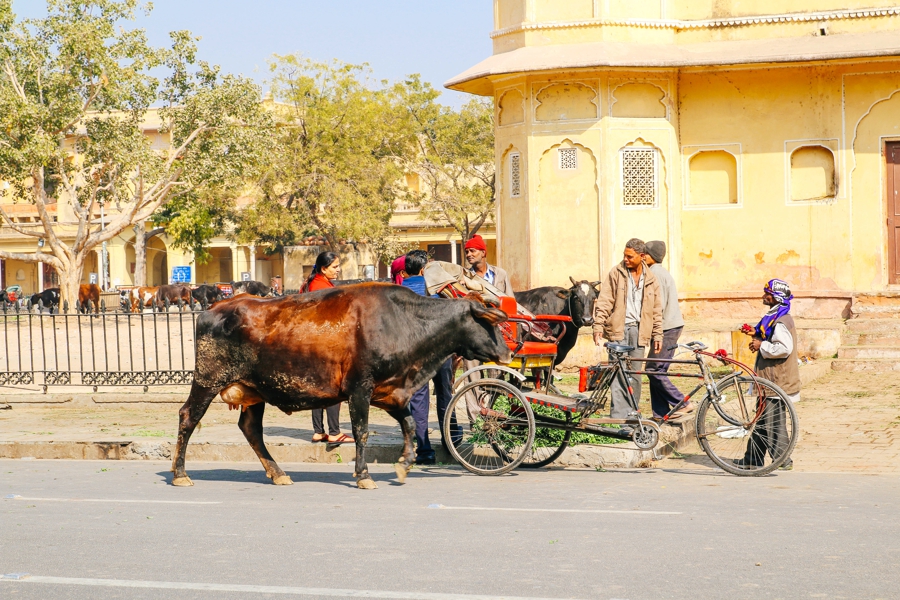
[[515, 180], [568, 158], [639, 177]]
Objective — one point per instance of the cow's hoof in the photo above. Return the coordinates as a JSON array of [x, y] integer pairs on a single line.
[[182, 481], [366, 484], [402, 470], [282, 480]]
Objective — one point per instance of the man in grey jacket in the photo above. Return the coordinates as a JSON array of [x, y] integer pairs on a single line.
[[629, 311], [664, 396]]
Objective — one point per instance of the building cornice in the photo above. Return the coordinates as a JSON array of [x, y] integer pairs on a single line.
[[677, 24]]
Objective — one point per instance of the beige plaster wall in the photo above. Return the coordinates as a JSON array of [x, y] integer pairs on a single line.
[[783, 218]]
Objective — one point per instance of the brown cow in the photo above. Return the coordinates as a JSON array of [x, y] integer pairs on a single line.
[[367, 344], [141, 298], [89, 297], [173, 293]]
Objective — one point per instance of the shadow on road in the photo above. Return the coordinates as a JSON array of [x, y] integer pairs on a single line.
[[341, 478]]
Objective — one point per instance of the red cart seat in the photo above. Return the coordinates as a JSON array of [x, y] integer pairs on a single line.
[[534, 348]]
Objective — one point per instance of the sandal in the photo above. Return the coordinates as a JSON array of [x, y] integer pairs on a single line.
[[341, 439], [319, 437], [684, 410]]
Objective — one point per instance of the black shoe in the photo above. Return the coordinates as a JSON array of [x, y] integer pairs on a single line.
[[626, 430], [745, 462], [426, 459]]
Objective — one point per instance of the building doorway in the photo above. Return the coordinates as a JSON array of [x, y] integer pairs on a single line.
[[892, 156]]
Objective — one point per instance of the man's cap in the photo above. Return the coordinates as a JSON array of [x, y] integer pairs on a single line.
[[476, 242], [657, 250]]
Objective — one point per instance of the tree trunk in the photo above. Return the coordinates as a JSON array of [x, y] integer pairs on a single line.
[[140, 254], [69, 281]]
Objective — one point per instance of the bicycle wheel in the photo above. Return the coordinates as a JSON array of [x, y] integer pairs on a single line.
[[549, 442], [750, 429], [490, 426]]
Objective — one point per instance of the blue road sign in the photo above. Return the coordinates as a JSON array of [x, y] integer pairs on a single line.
[[181, 274]]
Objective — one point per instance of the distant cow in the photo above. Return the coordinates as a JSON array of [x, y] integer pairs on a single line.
[[89, 297], [141, 297], [369, 344], [173, 293], [207, 295], [254, 288], [48, 299]]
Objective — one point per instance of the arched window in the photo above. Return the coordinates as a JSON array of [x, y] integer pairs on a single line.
[[713, 178], [812, 174]]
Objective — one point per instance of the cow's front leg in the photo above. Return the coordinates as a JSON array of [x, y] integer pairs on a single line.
[[251, 425], [359, 419], [408, 426], [189, 416]]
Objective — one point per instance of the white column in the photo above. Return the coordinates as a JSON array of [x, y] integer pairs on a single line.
[[40, 276], [253, 263], [235, 264], [453, 258]]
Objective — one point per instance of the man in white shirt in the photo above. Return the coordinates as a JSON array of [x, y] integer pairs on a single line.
[[775, 340]]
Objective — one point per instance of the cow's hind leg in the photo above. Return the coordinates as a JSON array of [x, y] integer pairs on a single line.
[[408, 426], [251, 425], [190, 414], [359, 418]]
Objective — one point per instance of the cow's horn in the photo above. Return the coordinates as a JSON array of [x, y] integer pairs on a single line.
[[595, 283], [572, 279]]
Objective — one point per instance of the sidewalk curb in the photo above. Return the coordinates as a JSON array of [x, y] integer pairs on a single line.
[[579, 456]]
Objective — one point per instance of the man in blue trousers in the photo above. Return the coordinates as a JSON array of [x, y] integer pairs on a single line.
[[443, 381]]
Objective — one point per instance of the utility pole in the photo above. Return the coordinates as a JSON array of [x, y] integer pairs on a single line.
[[104, 257]]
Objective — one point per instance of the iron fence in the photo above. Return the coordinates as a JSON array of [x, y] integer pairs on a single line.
[[96, 346]]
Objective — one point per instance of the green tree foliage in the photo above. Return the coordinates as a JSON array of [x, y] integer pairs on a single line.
[[338, 157], [75, 91], [454, 158]]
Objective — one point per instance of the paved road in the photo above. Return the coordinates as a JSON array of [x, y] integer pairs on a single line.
[[86, 529]]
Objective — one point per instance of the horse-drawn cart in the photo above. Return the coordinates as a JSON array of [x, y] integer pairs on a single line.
[[503, 417]]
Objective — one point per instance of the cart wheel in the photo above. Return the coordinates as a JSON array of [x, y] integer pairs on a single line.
[[490, 426], [743, 434], [549, 442], [645, 437]]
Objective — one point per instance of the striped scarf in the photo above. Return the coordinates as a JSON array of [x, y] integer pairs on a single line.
[[781, 291]]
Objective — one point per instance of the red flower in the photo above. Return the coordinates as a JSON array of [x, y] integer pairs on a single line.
[[746, 329], [720, 353]]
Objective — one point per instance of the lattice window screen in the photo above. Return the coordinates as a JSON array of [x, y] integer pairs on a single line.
[[515, 176], [568, 158], [639, 177]]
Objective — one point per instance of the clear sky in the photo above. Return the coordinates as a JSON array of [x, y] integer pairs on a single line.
[[437, 38]]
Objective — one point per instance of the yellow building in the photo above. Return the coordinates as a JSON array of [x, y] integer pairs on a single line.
[[758, 139]]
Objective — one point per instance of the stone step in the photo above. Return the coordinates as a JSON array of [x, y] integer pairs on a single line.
[[870, 339], [891, 326], [877, 306], [867, 352], [873, 365]]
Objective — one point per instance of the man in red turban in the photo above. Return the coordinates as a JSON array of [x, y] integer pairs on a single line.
[[476, 256]]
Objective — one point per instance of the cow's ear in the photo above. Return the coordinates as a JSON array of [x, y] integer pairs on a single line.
[[493, 316], [564, 294]]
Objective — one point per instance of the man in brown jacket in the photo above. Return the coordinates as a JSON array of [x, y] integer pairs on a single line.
[[629, 311]]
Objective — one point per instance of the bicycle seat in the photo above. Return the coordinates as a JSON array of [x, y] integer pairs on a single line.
[[618, 348]]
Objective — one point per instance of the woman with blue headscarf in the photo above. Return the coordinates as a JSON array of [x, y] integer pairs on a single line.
[[774, 338]]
